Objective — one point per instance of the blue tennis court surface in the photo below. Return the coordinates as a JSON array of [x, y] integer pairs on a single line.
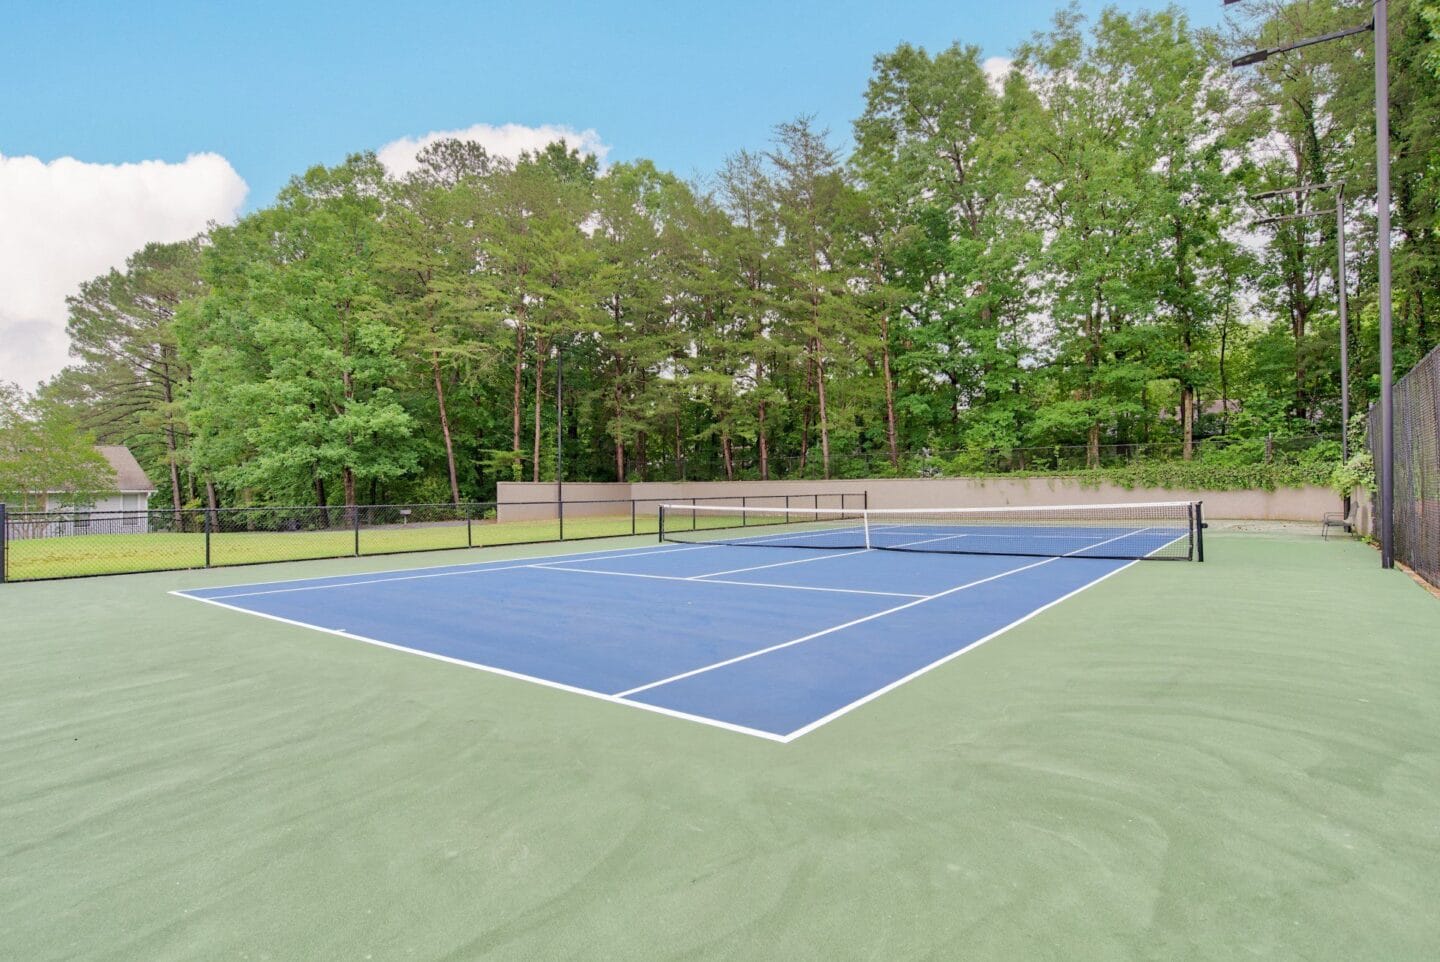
[[772, 643]]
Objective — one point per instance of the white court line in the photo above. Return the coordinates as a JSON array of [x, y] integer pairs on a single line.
[[602, 696], [849, 624], [491, 566], [761, 511], [758, 539], [845, 709], [621, 698], [911, 544], [781, 564], [464, 564], [696, 579]]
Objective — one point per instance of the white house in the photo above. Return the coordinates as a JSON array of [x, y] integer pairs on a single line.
[[122, 510]]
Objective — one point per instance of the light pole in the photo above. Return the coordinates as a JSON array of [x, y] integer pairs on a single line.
[[560, 437], [1379, 23]]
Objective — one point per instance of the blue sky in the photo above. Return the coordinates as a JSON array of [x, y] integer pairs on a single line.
[[275, 87], [132, 121]]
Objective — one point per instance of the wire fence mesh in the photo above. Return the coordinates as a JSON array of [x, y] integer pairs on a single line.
[[79, 542], [1417, 466], [942, 462]]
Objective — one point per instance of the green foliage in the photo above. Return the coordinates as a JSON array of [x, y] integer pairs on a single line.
[[1204, 476], [1186, 475], [1357, 473], [1044, 264], [43, 451]]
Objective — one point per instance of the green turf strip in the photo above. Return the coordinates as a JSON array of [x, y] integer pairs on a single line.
[[92, 554], [1221, 761]]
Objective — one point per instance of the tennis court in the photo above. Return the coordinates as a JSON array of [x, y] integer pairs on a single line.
[[1188, 761], [707, 628]]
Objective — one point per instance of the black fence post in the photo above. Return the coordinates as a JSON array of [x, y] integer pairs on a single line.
[[208, 525], [1199, 532], [4, 538], [632, 516], [743, 516], [659, 515], [355, 513], [560, 511]]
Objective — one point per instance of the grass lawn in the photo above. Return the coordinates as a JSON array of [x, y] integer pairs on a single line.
[[120, 553], [1235, 759]]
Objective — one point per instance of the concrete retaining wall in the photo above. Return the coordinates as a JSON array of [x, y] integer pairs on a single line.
[[1284, 504]]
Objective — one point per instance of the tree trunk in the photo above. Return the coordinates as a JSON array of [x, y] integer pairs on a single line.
[[824, 417], [539, 393], [170, 455], [347, 478], [1224, 383], [1092, 447], [1187, 417], [321, 501], [726, 453], [515, 397], [445, 430], [805, 426], [679, 453], [764, 447], [890, 439], [619, 418]]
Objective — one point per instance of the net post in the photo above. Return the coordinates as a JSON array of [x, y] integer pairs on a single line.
[[209, 524], [632, 516], [865, 499], [694, 515], [4, 539], [660, 518], [743, 521], [1199, 531]]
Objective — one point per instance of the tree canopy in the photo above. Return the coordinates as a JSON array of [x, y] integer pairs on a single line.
[[1015, 271]]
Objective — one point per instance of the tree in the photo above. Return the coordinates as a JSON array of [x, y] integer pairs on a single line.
[[43, 451], [809, 189], [936, 151], [295, 294], [425, 257], [127, 386]]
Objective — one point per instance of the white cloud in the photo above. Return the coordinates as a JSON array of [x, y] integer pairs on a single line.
[[507, 140], [996, 70], [66, 221]]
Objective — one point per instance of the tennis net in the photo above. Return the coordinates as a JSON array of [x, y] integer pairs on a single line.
[[1168, 530]]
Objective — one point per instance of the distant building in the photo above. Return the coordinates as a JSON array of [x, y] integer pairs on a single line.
[[121, 510]]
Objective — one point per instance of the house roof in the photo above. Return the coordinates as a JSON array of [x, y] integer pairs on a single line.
[[129, 476]]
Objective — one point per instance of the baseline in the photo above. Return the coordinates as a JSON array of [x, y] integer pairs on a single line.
[[503, 672], [433, 571]]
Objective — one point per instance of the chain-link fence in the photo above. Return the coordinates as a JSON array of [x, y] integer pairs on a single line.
[[1417, 466], [940, 462], [78, 543]]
